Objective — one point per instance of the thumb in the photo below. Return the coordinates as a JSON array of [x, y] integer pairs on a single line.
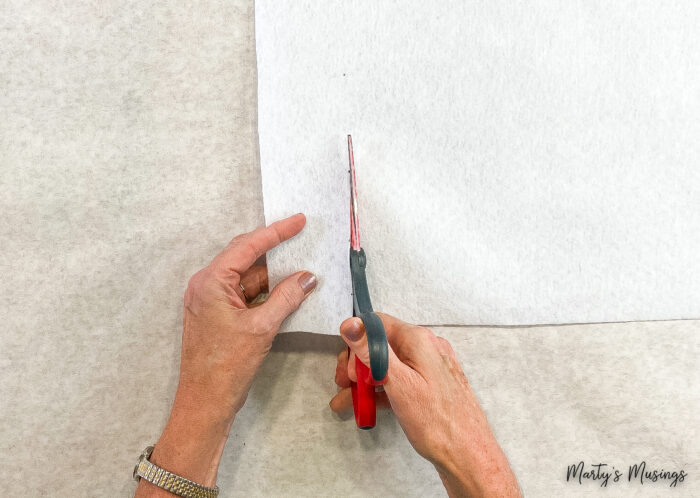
[[287, 295], [353, 333]]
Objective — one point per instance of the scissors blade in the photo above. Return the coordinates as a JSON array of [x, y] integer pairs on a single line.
[[354, 222]]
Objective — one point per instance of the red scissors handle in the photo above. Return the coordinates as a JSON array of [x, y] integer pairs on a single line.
[[364, 403]]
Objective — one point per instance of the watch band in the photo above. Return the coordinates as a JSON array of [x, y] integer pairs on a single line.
[[177, 485]]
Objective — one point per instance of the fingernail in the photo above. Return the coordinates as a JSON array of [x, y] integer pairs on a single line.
[[307, 281], [352, 331]]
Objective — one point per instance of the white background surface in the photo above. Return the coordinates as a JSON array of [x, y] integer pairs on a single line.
[[127, 159], [517, 164]]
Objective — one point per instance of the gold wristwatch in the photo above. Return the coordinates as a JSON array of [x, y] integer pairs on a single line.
[[168, 481]]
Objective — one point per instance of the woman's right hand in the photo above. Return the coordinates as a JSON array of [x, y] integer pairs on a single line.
[[427, 390]]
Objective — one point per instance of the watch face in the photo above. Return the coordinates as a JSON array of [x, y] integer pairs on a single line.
[[145, 455]]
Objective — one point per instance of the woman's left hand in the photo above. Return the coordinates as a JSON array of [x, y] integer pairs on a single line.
[[224, 342]]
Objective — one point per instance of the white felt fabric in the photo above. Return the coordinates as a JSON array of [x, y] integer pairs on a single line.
[[516, 163], [127, 160]]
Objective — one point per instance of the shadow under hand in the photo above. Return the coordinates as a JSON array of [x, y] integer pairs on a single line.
[[305, 342]]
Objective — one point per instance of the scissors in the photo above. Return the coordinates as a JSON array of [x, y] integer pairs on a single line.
[[363, 391]]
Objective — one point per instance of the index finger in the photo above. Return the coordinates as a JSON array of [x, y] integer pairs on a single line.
[[245, 249], [341, 369]]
